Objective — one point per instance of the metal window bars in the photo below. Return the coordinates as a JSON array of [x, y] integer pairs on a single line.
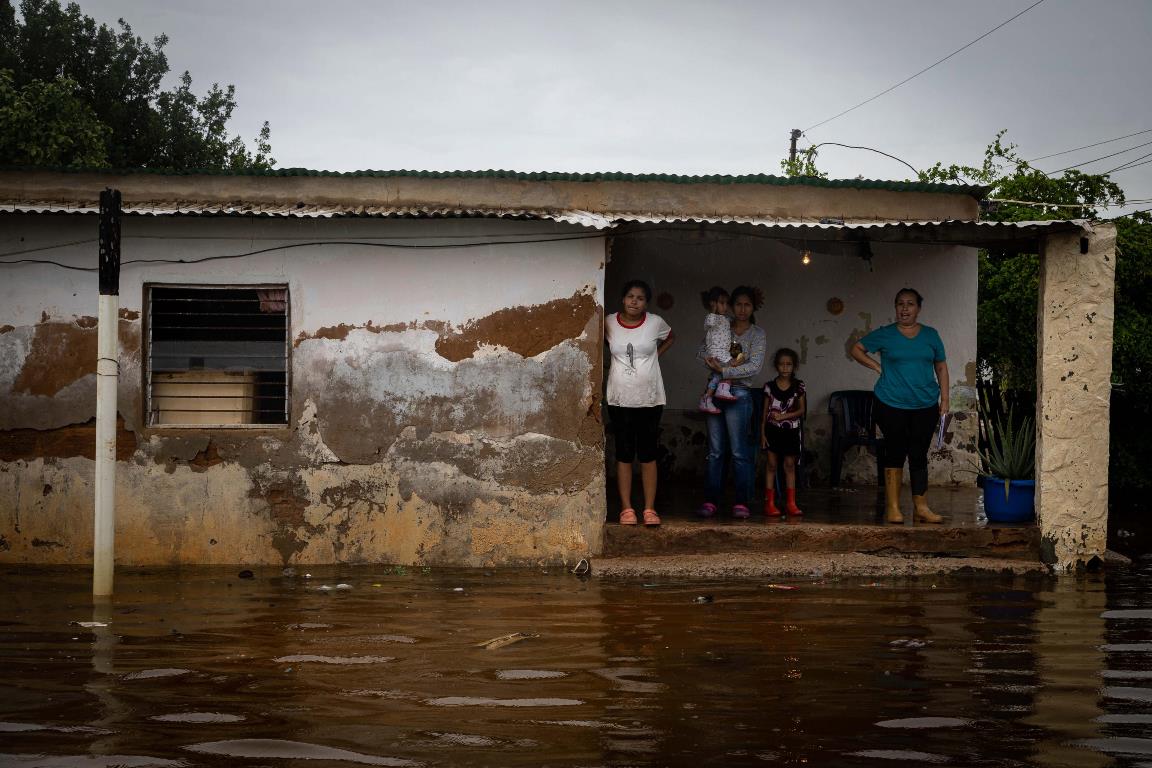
[[217, 355]]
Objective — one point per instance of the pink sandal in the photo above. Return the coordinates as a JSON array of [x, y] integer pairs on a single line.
[[628, 517], [651, 518]]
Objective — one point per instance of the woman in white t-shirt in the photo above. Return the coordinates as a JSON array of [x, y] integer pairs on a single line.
[[635, 394]]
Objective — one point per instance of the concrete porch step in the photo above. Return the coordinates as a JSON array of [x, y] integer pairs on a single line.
[[679, 537]]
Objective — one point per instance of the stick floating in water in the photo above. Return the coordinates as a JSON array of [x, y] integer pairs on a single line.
[[500, 642]]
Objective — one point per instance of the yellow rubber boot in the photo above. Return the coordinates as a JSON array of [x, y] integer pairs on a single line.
[[923, 513], [893, 479]]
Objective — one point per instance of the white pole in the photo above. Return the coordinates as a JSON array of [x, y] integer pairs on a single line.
[[107, 376]]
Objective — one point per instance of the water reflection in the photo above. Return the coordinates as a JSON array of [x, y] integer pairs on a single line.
[[200, 667]]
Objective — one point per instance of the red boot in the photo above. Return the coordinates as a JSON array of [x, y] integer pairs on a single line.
[[770, 509], [790, 503]]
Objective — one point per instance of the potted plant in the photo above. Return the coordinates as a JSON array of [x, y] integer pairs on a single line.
[[1008, 464]]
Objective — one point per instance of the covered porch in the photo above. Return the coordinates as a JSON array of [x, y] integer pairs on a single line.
[[1074, 355]]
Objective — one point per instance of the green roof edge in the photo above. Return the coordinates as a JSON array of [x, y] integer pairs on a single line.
[[755, 178]]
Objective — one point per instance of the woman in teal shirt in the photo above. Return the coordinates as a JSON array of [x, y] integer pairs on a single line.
[[911, 394]]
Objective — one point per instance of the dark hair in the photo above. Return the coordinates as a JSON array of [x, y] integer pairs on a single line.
[[909, 292], [711, 295], [754, 295], [786, 352], [637, 284]]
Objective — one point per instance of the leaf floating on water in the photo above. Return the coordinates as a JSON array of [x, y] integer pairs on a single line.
[[500, 642]]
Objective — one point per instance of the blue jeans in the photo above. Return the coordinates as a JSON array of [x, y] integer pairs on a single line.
[[731, 431]]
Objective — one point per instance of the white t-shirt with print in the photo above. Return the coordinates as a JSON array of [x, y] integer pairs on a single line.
[[634, 379]]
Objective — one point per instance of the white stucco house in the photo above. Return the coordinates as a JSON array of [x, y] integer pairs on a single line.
[[406, 367]]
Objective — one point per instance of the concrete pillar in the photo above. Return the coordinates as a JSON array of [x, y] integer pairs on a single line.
[[1074, 373]]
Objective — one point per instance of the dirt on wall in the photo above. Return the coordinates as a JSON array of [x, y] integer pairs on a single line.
[[527, 331], [62, 443], [60, 354]]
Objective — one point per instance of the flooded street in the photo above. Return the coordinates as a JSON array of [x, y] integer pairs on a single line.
[[393, 667]]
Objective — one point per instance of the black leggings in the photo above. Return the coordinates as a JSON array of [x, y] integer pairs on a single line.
[[636, 431], [907, 434]]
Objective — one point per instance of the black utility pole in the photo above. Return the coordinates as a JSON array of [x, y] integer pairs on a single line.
[[796, 133]]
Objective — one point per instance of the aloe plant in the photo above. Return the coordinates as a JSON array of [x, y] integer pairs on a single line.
[[1011, 448]]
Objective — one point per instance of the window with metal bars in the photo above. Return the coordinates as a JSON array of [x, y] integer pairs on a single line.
[[217, 355]]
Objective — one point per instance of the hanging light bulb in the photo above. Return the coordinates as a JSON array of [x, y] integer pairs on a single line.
[[806, 257]]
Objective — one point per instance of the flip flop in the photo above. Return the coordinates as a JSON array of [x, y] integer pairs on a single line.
[[628, 517], [651, 519]]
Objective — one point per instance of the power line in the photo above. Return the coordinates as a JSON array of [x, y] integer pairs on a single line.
[[288, 246], [1129, 167], [870, 149], [1088, 146], [1102, 157], [1130, 164], [930, 66]]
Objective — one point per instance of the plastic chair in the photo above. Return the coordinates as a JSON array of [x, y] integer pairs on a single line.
[[853, 424]]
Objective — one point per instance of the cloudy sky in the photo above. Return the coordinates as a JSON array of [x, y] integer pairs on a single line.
[[711, 86]]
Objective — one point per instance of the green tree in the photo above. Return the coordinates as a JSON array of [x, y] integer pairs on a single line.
[[1009, 281], [118, 76], [46, 124]]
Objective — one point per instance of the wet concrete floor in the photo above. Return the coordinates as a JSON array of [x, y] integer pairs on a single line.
[[387, 666]]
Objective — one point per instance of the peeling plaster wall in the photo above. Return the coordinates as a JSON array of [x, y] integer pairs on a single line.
[[1074, 360], [444, 401], [679, 265]]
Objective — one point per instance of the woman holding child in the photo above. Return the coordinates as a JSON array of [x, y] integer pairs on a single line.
[[729, 420]]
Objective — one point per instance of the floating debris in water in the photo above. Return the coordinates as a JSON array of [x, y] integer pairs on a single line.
[[246, 574], [703, 599], [309, 625], [778, 586], [343, 586], [909, 642], [87, 624], [582, 568], [503, 640]]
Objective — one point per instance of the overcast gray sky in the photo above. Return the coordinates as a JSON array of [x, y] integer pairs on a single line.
[[711, 86]]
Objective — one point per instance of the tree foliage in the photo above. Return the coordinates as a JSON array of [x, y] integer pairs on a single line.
[[1009, 281], [102, 87], [803, 164], [46, 124]]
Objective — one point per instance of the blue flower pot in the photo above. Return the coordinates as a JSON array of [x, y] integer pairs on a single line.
[[1018, 507]]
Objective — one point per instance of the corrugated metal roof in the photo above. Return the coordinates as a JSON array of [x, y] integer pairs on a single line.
[[991, 233], [667, 178], [580, 218]]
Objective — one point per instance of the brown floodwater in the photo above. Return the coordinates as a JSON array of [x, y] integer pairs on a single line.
[[387, 666]]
